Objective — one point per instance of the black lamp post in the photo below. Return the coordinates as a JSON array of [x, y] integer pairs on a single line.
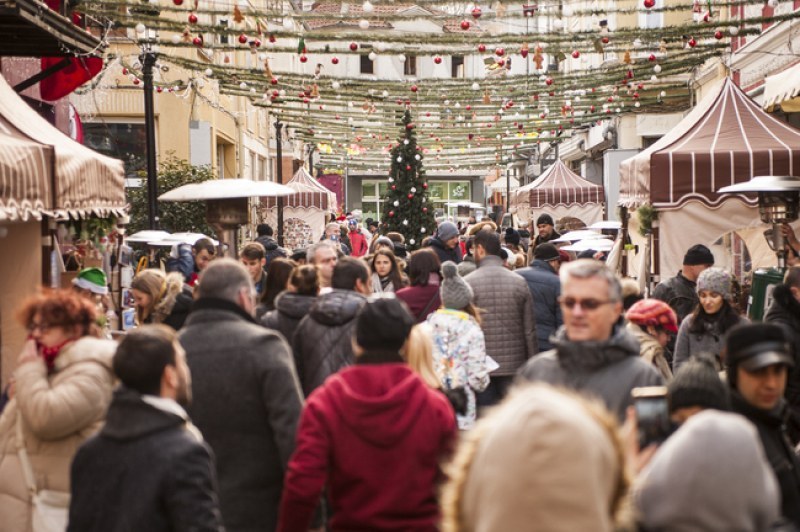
[[148, 60], [279, 163]]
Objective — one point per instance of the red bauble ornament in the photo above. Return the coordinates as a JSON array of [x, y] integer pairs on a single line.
[[124, 71], [255, 43], [410, 196], [437, 60], [499, 52], [335, 60], [692, 43], [549, 81], [198, 41], [501, 62], [391, 213], [649, 3], [353, 46], [272, 38], [394, 187], [635, 95], [409, 126], [604, 40], [425, 186], [274, 81], [424, 209], [242, 39], [408, 167], [524, 52], [159, 89], [468, 108], [465, 25], [414, 88], [476, 12], [303, 59], [718, 35], [136, 81], [470, 136], [177, 2], [481, 48], [591, 108], [576, 54], [192, 18], [651, 57]]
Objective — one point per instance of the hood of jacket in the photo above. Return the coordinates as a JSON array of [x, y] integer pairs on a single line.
[[294, 305], [177, 296], [129, 417], [379, 402], [590, 356], [337, 307]]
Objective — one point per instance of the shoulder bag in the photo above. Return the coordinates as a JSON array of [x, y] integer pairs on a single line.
[[50, 508]]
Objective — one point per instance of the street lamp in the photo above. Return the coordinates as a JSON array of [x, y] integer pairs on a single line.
[[148, 60]]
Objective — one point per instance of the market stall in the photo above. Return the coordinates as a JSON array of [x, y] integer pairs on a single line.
[[561, 193], [727, 138], [305, 212]]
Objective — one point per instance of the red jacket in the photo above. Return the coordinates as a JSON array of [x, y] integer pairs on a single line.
[[359, 243], [377, 434]]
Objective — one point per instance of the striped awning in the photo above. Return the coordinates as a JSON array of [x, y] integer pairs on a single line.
[[726, 139], [309, 193], [559, 185], [85, 182]]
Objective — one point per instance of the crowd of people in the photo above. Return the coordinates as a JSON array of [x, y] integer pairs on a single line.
[[486, 381]]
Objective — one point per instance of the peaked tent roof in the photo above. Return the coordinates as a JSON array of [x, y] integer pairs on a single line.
[[559, 185], [85, 181], [308, 193], [727, 138]]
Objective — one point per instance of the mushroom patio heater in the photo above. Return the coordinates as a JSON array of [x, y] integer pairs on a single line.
[[778, 203]]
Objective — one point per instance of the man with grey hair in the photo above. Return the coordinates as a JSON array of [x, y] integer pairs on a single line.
[[323, 257], [593, 354], [246, 397]]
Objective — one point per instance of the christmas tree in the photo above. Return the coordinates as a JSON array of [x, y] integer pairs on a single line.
[[406, 209]]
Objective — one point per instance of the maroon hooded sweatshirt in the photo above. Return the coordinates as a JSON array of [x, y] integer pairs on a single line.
[[377, 434]]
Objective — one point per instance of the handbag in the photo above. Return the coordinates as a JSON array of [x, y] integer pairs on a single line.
[[50, 507]]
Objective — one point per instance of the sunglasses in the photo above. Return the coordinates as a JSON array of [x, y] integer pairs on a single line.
[[585, 304]]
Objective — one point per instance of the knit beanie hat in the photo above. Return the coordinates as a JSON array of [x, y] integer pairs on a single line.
[[698, 254], [92, 279], [512, 236], [383, 324], [455, 292], [697, 383], [653, 312], [716, 280], [446, 231], [544, 219]]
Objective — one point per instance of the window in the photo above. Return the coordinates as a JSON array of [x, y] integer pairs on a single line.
[[223, 37], [457, 66], [366, 65], [121, 141], [445, 194], [410, 66], [372, 195]]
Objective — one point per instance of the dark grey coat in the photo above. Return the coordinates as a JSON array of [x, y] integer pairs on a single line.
[[508, 324], [322, 341], [145, 470], [247, 403], [605, 370], [545, 287], [679, 293], [290, 308]]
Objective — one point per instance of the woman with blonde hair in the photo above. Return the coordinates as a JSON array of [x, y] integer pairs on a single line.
[[161, 298], [419, 354], [61, 389]]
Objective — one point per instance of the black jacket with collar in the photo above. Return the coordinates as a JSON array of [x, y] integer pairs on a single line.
[[148, 469]]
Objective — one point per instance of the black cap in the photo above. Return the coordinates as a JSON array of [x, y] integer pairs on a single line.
[[698, 254], [544, 219], [546, 252], [756, 346], [383, 324]]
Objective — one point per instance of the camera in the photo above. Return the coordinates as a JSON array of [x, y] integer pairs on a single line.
[[652, 414]]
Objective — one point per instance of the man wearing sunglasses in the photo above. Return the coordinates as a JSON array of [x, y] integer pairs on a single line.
[[593, 353]]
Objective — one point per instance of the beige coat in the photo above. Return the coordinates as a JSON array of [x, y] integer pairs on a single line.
[[651, 351], [59, 412]]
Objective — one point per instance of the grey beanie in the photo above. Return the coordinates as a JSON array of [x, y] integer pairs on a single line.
[[716, 280], [697, 383], [446, 231], [455, 292]]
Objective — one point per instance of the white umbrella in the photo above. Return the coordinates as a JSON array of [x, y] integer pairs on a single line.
[[582, 234], [181, 238], [214, 189], [606, 224], [596, 244], [147, 236]]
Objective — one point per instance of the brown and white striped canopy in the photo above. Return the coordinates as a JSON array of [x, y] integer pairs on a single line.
[[308, 193], [727, 138], [85, 181], [559, 185]]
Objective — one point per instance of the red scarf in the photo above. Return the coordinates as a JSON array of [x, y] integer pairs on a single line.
[[49, 354]]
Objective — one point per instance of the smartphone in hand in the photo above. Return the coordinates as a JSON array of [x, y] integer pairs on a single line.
[[652, 414]]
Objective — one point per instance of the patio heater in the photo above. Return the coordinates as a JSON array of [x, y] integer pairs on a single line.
[[778, 203]]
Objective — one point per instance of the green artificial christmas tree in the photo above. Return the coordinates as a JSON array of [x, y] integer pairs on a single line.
[[406, 209]]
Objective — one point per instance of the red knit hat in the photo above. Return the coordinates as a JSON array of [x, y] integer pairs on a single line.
[[653, 312]]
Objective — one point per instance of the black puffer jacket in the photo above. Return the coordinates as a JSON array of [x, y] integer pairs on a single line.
[[290, 308], [785, 311], [779, 451], [321, 343], [443, 252], [679, 293]]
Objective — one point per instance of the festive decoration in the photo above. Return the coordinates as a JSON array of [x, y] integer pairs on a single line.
[[404, 201], [465, 25]]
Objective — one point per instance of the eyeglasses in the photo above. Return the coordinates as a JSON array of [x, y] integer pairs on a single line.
[[42, 327], [586, 304]]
